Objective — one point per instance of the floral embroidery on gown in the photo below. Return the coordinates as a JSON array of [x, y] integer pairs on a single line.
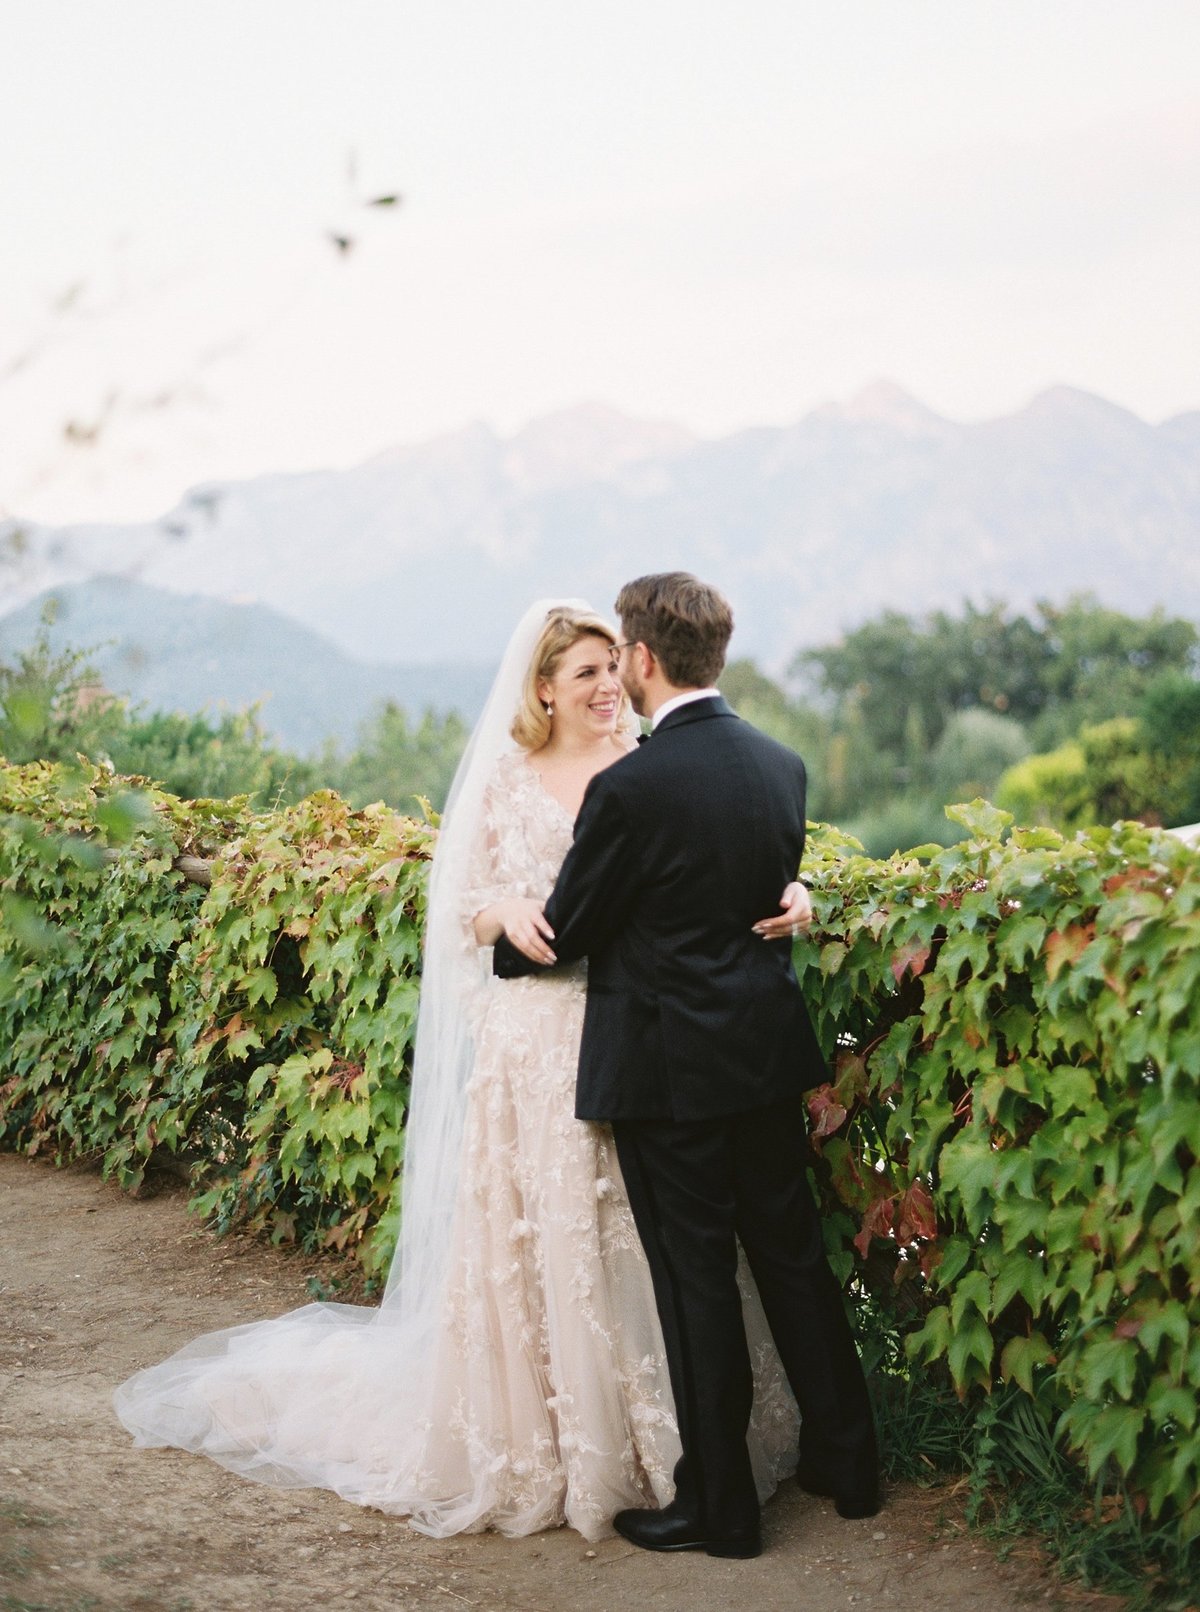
[[547, 1398]]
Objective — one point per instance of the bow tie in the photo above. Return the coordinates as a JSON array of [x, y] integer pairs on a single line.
[[643, 738]]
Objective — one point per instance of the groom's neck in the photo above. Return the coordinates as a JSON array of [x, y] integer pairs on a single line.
[[658, 696]]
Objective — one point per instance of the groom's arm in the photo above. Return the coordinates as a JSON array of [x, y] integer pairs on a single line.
[[594, 890]]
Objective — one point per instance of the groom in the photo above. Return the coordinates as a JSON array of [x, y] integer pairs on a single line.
[[697, 1048]]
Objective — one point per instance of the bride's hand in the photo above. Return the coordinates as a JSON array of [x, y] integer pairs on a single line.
[[795, 917], [523, 921]]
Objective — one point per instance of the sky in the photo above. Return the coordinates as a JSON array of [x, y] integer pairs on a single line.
[[719, 214]]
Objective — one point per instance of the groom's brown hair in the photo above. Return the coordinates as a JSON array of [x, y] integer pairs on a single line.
[[685, 622]]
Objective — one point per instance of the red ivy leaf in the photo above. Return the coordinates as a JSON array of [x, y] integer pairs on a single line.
[[877, 1222], [917, 1215], [912, 957], [1064, 946], [828, 1115], [1132, 878]]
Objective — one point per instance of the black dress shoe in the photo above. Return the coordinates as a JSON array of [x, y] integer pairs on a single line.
[[667, 1530], [849, 1503]]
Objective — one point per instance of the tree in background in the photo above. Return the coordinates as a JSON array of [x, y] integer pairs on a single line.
[[906, 678], [1047, 788], [52, 705], [944, 705], [53, 708], [1101, 664], [398, 760], [198, 757], [1070, 664], [976, 748], [1170, 716], [1145, 766]]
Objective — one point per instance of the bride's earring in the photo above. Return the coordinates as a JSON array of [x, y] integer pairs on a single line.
[[549, 710]]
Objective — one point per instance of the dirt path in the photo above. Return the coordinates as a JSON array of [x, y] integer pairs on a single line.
[[94, 1284]]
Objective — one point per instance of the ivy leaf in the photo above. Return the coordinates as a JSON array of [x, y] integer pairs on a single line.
[[876, 1222], [972, 1293], [981, 819], [1066, 946], [1108, 1366], [1020, 939], [827, 1113], [1113, 1431], [832, 957], [260, 985], [969, 1353], [917, 1217], [933, 1339], [1021, 1356], [1020, 1274], [956, 1253], [846, 1176], [909, 959], [968, 1167], [851, 1080]]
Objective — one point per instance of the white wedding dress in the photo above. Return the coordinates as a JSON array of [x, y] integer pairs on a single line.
[[538, 1393]]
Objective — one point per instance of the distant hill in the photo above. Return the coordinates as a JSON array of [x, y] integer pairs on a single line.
[[171, 651], [429, 553]]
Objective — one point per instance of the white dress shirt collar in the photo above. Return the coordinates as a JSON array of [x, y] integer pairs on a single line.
[[677, 700]]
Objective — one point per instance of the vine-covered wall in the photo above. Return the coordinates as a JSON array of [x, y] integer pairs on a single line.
[[1007, 1155]]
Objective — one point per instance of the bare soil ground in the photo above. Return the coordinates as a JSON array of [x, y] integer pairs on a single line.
[[94, 1284]]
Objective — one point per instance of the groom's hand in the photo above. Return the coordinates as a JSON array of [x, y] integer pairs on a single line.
[[793, 920]]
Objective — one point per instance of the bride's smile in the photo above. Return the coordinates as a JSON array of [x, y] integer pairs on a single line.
[[585, 692]]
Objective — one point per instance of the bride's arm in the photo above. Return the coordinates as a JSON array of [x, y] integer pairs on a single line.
[[488, 911]]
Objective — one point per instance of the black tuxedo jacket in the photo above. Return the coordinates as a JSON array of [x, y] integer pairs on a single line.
[[679, 847]]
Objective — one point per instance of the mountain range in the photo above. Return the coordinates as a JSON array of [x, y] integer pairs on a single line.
[[424, 556], [184, 652]]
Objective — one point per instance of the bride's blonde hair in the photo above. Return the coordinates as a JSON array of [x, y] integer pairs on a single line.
[[563, 630]]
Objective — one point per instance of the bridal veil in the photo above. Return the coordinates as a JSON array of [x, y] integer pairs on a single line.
[[293, 1401]]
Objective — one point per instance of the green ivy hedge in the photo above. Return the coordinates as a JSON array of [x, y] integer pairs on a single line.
[[259, 1028], [1013, 1132], [1007, 1155]]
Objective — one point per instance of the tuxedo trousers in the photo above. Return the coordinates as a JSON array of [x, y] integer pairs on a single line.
[[697, 1189]]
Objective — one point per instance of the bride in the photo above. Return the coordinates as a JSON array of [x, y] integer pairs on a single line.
[[514, 1375]]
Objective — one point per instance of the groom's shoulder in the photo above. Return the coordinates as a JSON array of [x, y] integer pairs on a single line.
[[694, 743], [771, 752]]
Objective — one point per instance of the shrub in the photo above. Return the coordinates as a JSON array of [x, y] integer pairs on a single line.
[[1008, 1152], [259, 1028]]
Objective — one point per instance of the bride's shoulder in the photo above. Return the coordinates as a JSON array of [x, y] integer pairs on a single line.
[[511, 769]]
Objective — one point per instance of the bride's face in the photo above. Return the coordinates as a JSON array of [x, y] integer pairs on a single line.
[[585, 691]]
